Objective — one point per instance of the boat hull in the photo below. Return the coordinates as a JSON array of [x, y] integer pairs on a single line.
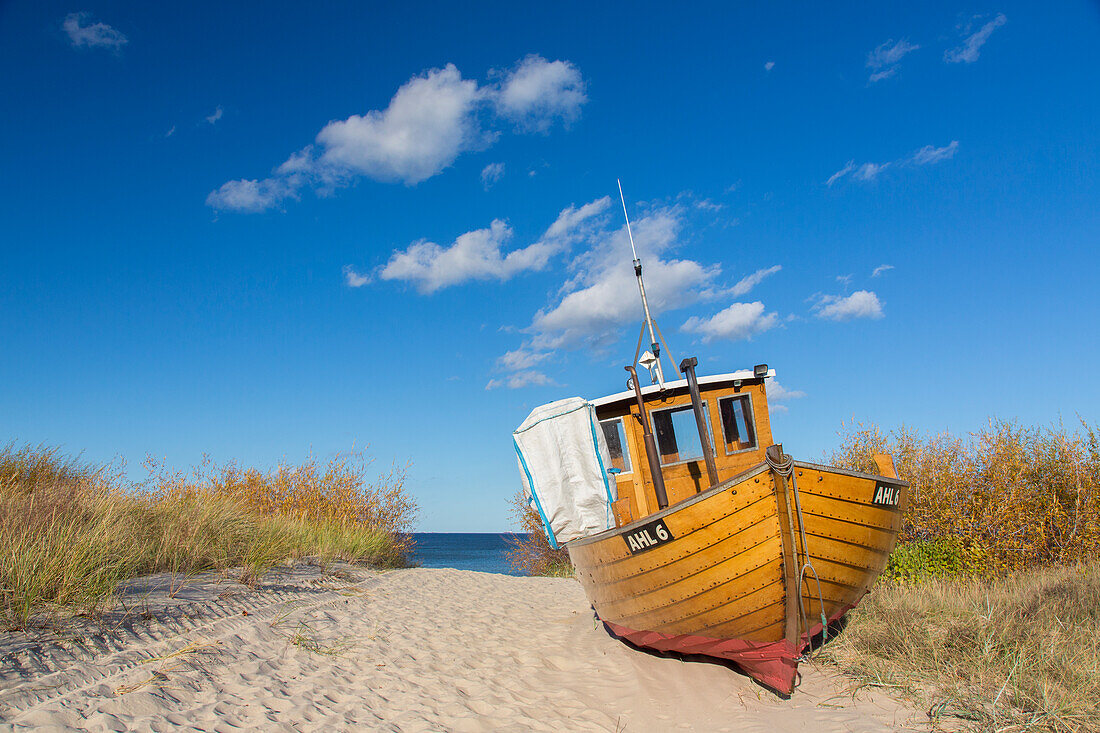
[[717, 574]]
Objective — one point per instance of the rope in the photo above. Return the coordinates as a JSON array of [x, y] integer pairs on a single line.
[[638, 350], [668, 351], [785, 467]]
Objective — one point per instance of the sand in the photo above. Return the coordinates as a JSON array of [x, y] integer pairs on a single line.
[[407, 650]]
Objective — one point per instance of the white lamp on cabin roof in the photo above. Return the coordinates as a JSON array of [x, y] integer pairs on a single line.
[[648, 360]]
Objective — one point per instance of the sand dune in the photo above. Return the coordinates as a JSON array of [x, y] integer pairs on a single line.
[[409, 650]]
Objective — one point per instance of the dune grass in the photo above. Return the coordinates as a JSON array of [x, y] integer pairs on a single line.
[[530, 552], [1010, 654], [70, 532]]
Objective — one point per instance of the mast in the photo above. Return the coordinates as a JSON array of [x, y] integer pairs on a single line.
[[655, 371]]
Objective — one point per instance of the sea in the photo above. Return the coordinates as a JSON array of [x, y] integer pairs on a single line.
[[464, 551]]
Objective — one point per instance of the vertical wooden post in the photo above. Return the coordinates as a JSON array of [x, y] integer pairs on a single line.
[[650, 446], [687, 368], [885, 464], [790, 550]]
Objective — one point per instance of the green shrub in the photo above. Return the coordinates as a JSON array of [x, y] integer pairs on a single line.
[[944, 557]]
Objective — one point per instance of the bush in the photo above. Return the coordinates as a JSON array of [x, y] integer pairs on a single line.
[[944, 557], [531, 552], [1005, 497]]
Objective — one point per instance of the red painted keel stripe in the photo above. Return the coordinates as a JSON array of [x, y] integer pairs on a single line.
[[772, 663]]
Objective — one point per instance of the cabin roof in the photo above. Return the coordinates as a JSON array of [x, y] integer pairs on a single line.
[[654, 388]]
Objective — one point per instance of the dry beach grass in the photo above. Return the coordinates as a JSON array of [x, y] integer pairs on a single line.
[[531, 553], [71, 532], [1015, 654]]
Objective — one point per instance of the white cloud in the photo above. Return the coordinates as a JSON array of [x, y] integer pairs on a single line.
[[298, 164], [570, 222], [431, 119], [603, 293], [600, 296], [884, 74], [860, 304], [869, 171], [520, 379], [538, 92], [83, 34], [478, 255], [883, 61], [862, 172], [171, 131], [747, 283], [215, 115], [354, 279], [848, 168], [520, 359], [474, 255], [844, 280], [427, 124], [739, 321], [881, 269], [768, 66], [889, 53], [779, 393], [931, 154], [250, 196], [971, 48], [490, 174]]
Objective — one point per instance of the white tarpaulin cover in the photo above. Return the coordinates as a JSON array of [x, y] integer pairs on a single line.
[[563, 461]]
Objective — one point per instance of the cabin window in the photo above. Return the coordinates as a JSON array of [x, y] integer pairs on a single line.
[[738, 429], [677, 434], [616, 443]]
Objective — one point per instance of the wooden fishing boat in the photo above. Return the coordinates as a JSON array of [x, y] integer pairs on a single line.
[[746, 559], [715, 542]]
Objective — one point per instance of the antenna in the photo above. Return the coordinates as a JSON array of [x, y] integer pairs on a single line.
[[627, 217], [655, 369]]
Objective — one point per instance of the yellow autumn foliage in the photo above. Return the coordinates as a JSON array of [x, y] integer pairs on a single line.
[[1005, 497]]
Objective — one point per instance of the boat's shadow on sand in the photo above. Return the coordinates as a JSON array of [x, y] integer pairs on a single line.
[[818, 641]]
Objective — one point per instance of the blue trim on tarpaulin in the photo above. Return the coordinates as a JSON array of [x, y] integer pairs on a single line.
[[550, 417], [534, 495], [603, 471]]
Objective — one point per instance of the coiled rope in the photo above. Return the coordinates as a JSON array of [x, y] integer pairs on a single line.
[[784, 466]]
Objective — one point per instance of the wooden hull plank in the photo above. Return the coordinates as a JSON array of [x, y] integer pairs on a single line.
[[759, 573], [693, 518], [688, 555], [719, 586], [661, 590]]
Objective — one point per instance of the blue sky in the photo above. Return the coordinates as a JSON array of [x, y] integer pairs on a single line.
[[256, 232]]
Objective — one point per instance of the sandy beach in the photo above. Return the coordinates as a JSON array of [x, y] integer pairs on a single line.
[[410, 650]]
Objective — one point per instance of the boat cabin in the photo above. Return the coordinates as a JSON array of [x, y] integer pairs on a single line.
[[735, 406]]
